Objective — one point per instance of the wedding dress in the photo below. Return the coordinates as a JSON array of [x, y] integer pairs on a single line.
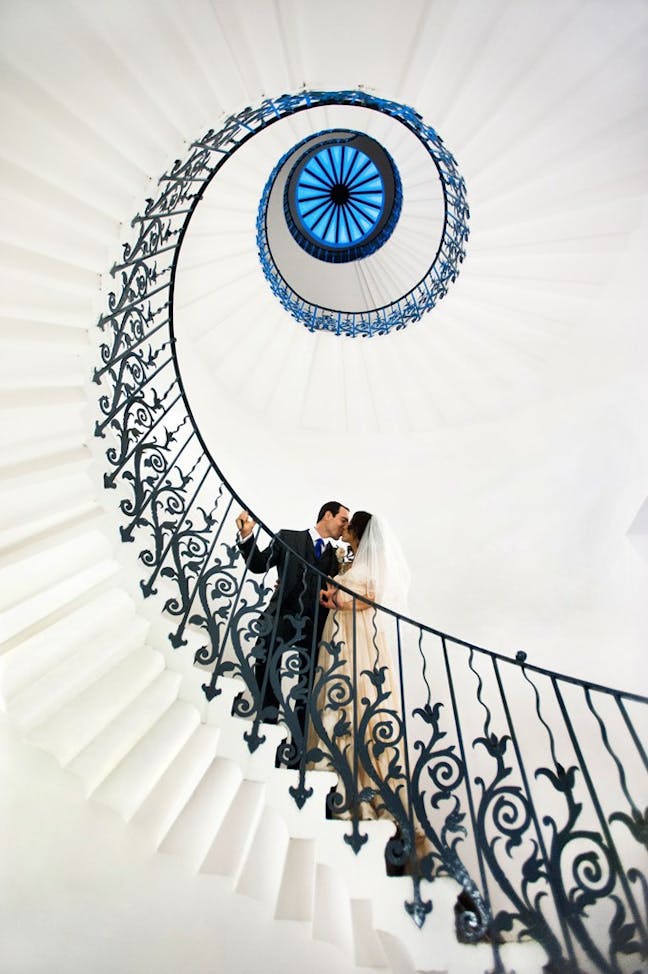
[[356, 721]]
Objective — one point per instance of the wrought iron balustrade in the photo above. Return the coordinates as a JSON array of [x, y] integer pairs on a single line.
[[526, 787]]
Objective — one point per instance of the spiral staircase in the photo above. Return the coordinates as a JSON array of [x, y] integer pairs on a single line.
[[217, 868]]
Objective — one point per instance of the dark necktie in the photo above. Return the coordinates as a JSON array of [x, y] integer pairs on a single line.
[[319, 547]]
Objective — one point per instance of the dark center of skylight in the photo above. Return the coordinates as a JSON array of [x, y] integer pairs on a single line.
[[340, 194]]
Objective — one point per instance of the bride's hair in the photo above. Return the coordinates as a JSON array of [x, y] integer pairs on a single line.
[[359, 522]]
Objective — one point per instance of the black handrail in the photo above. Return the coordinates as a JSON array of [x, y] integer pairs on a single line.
[[429, 740]]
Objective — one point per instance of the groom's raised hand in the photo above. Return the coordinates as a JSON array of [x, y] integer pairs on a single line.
[[245, 525]]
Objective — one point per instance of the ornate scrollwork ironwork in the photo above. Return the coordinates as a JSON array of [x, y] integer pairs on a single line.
[[525, 832]]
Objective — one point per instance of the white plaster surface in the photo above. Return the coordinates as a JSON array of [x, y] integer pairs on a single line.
[[80, 890]]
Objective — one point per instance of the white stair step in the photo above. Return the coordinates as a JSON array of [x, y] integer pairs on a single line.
[[258, 765], [28, 460], [71, 517], [215, 711], [332, 910], [193, 832], [262, 870], [304, 822], [297, 891], [30, 659], [127, 786], [400, 960], [364, 871], [178, 783], [230, 846], [219, 708], [69, 731], [25, 541], [45, 471], [73, 675], [29, 616], [434, 946], [37, 573], [369, 951], [105, 752]]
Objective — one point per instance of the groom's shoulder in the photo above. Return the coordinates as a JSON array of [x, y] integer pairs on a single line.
[[288, 535]]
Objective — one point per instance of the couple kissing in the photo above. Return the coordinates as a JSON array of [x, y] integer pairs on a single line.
[[307, 612]]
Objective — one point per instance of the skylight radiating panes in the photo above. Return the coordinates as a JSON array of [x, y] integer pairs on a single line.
[[340, 196]]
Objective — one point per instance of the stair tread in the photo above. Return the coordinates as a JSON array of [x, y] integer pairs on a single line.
[[332, 910], [37, 611], [193, 831], [295, 899], [263, 866], [41, 652], [72, 675], [229, 848], [131, 781], [111, 745], [178, 783], [67, 732]]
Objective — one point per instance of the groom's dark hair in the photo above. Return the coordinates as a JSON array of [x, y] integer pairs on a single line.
[[332, 506]]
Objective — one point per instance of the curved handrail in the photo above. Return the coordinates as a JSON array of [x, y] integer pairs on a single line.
[[485, 765]]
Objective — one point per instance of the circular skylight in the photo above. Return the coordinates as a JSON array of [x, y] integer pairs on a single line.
[[342, 197]]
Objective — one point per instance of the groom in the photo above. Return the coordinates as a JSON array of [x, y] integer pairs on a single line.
[[288, 620]]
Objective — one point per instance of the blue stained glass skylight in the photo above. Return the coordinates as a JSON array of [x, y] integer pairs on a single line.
[[340, 196]]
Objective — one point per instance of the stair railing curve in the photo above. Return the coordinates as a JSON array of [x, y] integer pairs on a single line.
[[522, 784]]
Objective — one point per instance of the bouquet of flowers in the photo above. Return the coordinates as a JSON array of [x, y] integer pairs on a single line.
[[344, 555]]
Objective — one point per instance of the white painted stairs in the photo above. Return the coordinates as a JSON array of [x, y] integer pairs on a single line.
[[80, 680]]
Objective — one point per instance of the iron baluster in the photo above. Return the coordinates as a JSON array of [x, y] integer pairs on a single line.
[[333, 690], [301, 793], [470, 926], [120, 309], [610, 847], [562, 911], [257, 692], [136, 509], [147, 246], [291, 655], [134, 398], [356, 839], [207, 656], [632, 731], [154, 253], [176, 211], [635, 823], [535, 921], [139, 418], [125, 455], [158, 558], [115, 357], [130, 332], [418, 908], [184, 607]]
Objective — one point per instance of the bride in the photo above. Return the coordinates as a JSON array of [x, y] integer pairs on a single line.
[[356, 724]]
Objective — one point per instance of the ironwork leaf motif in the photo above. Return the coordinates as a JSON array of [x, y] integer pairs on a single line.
[[452, 797]]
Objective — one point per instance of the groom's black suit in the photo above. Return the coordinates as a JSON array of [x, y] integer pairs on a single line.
[[296, 595]]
